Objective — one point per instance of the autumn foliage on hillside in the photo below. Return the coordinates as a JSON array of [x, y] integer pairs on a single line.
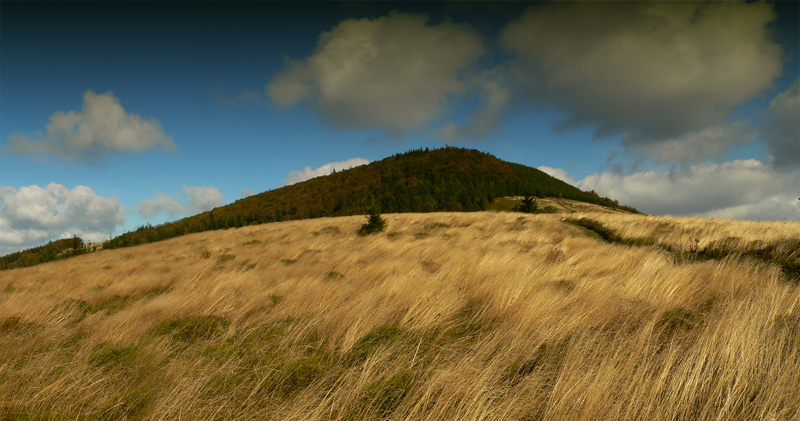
[[448, 179]]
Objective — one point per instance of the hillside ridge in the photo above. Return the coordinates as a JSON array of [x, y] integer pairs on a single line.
[[448, 179]]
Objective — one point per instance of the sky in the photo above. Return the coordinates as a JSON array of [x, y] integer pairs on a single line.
[[118, 114]]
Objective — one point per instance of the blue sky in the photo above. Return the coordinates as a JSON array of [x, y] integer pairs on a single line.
[[117, 114]]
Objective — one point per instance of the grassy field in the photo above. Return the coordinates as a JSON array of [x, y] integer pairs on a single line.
[[444, 316]]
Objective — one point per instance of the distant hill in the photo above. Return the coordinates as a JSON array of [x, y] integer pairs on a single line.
[[447, 179], [59, 249]]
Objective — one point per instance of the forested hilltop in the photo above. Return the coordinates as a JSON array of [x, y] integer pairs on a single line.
[[447, 179], [441, 180]]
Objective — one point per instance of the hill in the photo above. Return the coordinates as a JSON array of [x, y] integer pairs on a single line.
[[59, 249], [443, 316], [447, 179]]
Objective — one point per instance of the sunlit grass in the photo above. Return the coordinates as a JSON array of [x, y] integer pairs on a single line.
[[442, 316]]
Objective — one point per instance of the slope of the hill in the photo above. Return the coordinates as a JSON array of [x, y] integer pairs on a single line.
[[485, 315], [447, 179], [53, 250]]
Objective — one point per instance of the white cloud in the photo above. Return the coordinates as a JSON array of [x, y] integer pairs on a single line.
[[557, 173], [742, 189], [394, 72], [202, 198], [308, 173], [31, 215], [162, 203], [197, 199], [707, 143], [648, 70], [94, 133], [248, 192], [782, 128]]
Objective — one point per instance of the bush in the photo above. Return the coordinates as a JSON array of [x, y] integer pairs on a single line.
[[375, 223]]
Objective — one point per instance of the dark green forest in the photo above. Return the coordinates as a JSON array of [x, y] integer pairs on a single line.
[[441, 180]]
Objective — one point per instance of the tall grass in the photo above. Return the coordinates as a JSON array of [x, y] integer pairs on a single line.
[[487, 315]]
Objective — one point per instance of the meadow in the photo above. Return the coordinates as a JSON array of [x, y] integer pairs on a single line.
[[485, 315]]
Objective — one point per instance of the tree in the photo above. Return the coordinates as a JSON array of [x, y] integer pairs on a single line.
[[528, 205], [375, 223]]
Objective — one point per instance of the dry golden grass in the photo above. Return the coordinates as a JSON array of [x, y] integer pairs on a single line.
[[443, 316]]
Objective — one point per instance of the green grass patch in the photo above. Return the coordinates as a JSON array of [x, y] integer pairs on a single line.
[[248, 343], [427, 228], [369, 343], [287, 262], [468, 324], [133, 404], [291, 377], [117, 302], [677, 322], [17, 326], [547, 358], [107, 355], [225, 258], [334, 276], [252, 242], [275, 299], [385, 396], [327, 230], [193, 328], [594, 229], [504, 204]]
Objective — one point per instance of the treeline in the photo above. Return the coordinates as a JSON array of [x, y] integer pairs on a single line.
[[54, 250], [422, 180]]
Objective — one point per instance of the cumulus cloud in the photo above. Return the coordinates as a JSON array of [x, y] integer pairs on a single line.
[[100, 129], [161, 203], [202, 198], [557, 173], [782, 128], [197, 199], [395, 72], [308, 173], [650, 71], [31, 215], [708, 143], [742, 189]]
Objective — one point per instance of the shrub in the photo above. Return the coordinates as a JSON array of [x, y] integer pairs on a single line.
[[375, 223], [528, 205]]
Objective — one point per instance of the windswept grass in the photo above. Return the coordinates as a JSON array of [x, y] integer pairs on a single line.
[[484, 316]]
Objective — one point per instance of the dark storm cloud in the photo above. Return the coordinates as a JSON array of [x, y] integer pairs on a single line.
[[649, 71]]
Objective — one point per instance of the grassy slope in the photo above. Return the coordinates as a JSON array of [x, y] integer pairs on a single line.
[[444, 316]]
